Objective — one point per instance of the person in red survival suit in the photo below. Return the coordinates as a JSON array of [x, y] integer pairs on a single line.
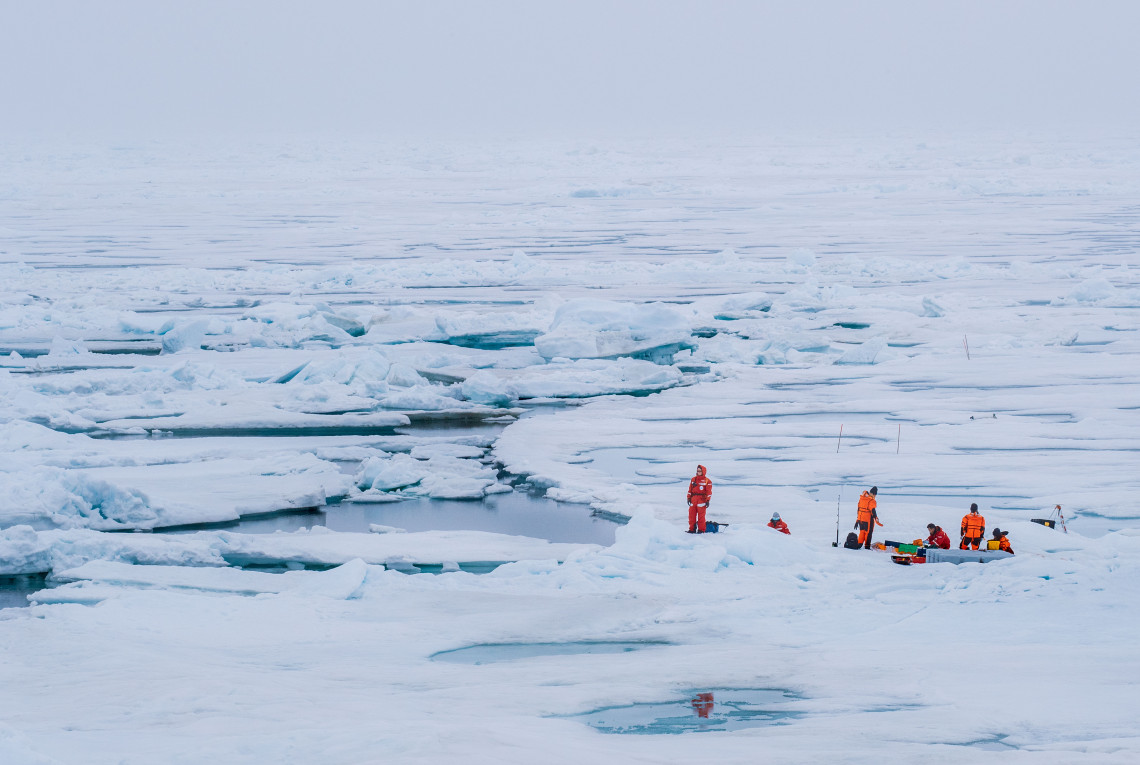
[[777, 524], [937, 538], [700, 492]]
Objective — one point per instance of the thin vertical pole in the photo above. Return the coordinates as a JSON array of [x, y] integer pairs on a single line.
[[840, 439], [899, 441], [837, 499]]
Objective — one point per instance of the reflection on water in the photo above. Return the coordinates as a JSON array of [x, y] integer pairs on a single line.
[[703, 704], [716, 710], [515, 513], [14, 590], [12, 596]]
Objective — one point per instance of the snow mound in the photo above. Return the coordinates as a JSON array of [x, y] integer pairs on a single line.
[[1093, 290], [868, 352], [22, 552], [491, 330], [288, 325], [742, 306], [602, 329], [369, 373], [569, 379], [440, 477], [486, 388]]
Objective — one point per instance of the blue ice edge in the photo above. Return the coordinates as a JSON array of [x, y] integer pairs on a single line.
[[488, 653], [404, 567]]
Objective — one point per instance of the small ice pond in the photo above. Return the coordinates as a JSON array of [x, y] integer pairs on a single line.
[[517, 513], [995, 744], [720, 709], [489, 653]]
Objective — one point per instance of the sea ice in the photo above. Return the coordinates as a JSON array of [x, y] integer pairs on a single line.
[[388, 321], [597, 329]]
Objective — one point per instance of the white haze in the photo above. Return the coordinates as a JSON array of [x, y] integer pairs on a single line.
[[453, 68]]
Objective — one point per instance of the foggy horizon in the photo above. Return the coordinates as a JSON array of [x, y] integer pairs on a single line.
[[517, 69]]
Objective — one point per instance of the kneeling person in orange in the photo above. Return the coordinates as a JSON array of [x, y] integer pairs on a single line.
[[973, 529], [867, 517], [1003, 541], [700, 492]]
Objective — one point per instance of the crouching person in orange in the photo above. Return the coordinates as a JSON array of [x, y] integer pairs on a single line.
[[1003, 541], [700, 492], [973, 529], [777, 524], [867, 517]]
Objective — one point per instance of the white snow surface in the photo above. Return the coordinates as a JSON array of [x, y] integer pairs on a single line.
[[200, 333]]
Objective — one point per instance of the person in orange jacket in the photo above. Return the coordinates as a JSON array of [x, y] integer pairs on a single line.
[[973, 529], [867, 517], [937, 538], [1003, 541], [700, 492], [777, 524]]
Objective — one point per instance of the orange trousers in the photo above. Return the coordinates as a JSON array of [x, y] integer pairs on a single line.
[[697, 517], [866, 529]]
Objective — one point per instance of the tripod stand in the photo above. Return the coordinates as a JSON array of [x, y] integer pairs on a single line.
[[1061, 516]]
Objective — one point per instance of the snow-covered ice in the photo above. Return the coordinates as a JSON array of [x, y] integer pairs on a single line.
[[200, 334]]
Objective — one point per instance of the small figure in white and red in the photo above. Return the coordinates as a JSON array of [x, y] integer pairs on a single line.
[[777, 524], [700, 492]]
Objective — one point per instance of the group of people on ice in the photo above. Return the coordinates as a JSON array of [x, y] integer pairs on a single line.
[[973, 531]]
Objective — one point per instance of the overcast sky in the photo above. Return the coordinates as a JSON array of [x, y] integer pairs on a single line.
[[631, 66]]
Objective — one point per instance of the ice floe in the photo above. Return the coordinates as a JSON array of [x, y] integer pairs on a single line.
[[388, 326]]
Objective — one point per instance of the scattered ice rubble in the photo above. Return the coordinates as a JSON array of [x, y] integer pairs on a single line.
[[644, 547], [586, 348], [26, 551], [146, 488], [790, 349], [294, 367]]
